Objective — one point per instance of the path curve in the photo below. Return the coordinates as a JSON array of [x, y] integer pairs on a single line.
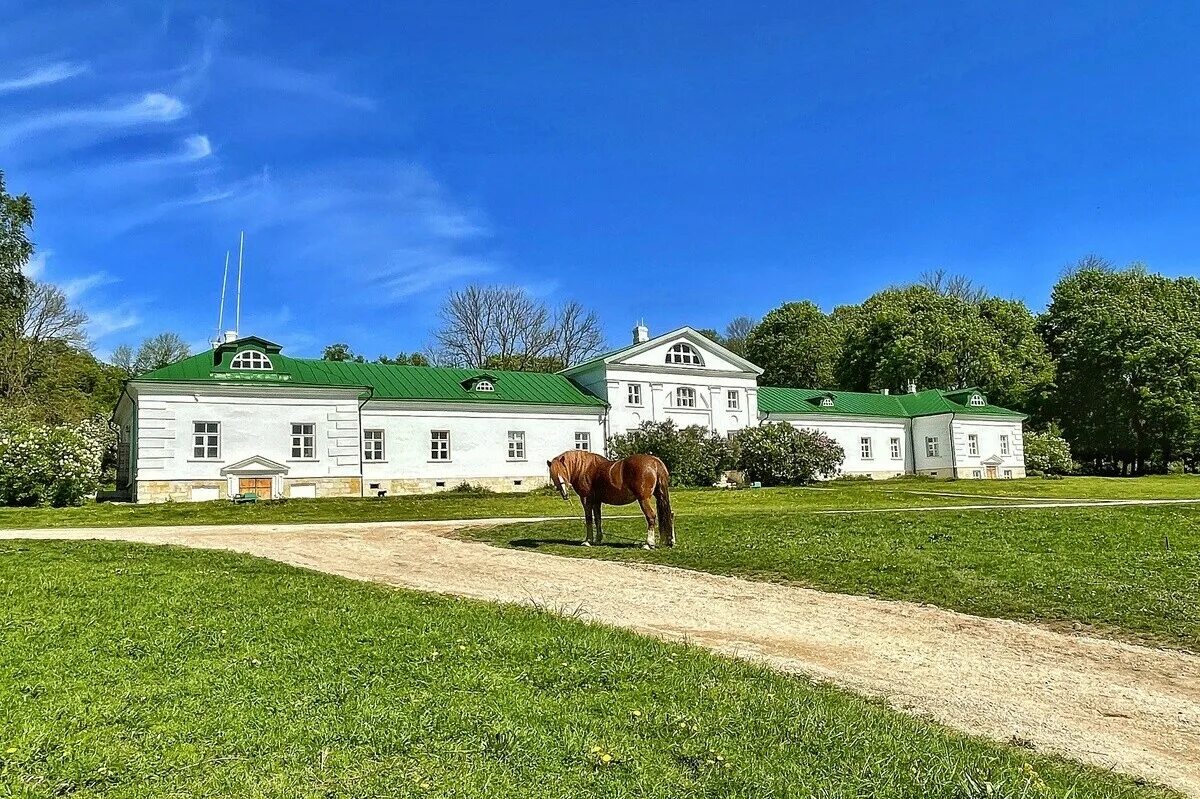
[[1130, 708]]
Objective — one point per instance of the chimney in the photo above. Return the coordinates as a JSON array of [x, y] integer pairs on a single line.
[[641, 333], [912, 386], [230, 335]]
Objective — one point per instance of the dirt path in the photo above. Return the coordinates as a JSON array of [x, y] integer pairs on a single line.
[[1130, 708]]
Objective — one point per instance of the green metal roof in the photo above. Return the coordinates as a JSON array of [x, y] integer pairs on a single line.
[[772, 399], [422, 383]]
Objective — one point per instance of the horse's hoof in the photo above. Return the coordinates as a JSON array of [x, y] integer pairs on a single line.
[[587, 543]]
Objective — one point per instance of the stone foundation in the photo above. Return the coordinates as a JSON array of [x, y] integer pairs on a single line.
[[967, 472], [149, 491], [325, 486], [431, 486]]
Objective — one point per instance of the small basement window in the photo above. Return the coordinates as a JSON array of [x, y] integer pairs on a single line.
[[440, 484], [516, 482]]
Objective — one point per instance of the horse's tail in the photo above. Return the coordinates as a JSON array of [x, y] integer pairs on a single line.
[[662, 501]]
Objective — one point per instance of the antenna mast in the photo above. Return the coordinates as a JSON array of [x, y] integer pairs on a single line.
[[221, 308], [238, 322]]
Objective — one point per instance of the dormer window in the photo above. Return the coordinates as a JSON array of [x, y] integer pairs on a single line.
[[826, 402], [484, 385], [251, 359], [977, 401], [684, 354]]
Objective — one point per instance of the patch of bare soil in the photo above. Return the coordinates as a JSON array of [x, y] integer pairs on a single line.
[[1130, 708]]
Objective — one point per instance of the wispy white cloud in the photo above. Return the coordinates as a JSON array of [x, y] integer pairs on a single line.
[[102, 324], [152, 107], [42, 76], [76, 287], [36, 268], [299, 82]]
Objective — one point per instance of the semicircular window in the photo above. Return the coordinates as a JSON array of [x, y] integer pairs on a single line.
[[484, 385], [977, 401], [684, 354], [826, 402], [251, 359]]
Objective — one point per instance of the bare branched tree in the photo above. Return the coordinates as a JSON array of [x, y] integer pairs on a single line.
[[50, 317], [736, 332], [504, 327], [950, 285], [578, 334]]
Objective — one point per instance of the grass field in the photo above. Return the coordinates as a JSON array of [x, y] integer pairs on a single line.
[[454, 505], [1128, 571], [141, 672]]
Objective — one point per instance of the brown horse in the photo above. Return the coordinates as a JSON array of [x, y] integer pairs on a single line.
[[597, 481]]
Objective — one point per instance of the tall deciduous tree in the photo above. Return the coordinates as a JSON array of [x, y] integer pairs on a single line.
[[505, 327], [1127, 345], [736, 333], [154, 353], [16, 217], [797, 345]]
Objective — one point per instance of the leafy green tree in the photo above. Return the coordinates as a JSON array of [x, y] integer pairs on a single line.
[[158, 351], [416, 359], [776, 453], [341, 352], [1127, 348], [945, 340], [797, 345], [16, 217]]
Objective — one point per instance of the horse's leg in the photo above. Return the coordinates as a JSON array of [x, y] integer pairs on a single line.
[[651, 521], [599, 530], [587, 520]]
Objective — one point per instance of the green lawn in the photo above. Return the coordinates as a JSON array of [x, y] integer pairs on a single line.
[[1110, 569], [453, 505], [132, 671]]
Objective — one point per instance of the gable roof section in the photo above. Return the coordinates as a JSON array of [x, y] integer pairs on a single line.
[[772, 399], [688, 333], [388, 382]]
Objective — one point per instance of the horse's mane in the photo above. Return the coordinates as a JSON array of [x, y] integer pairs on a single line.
[[578, 461]]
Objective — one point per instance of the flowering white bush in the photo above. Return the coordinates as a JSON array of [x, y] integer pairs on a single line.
[[42, 465], [776, 453]]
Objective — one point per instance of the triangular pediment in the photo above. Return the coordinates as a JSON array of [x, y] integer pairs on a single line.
[[255, 464], [995, 460], [713, 356]]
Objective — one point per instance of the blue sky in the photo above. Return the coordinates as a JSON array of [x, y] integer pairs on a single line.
[[679, 162]]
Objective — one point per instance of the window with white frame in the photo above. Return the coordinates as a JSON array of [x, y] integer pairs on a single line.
[[583, 441], [976, 401], [635, 394], [685, 397], [304, 441], [1008, 474], [250, 359], [733, 400], [206, 441], [895, 449], [977, 474], [373, 445], [826, 402], [439, 445], [972, 444], [684, 354], [516, 445], [864, 445], [933, 447], [1004, 449], [484, 385]]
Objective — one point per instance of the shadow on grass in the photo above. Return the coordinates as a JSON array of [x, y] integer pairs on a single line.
[[537, 543]]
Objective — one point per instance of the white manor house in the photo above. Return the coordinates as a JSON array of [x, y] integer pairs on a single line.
[[245, 418]]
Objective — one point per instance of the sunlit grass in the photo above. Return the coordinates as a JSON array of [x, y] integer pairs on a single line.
[[132, 671]]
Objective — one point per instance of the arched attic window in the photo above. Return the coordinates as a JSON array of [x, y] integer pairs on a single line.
[[684, 354], [977, 401], [826, 402], [251, 359], [484, 385]]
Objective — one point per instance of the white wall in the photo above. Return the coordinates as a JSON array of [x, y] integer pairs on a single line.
[[659, 395], [849, 431], [938, 426], [249, 426], [478, 439], [988, 431]]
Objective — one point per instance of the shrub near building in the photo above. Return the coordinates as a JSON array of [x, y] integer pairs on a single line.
[[776, 453], [694, 455], [43, 465]]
